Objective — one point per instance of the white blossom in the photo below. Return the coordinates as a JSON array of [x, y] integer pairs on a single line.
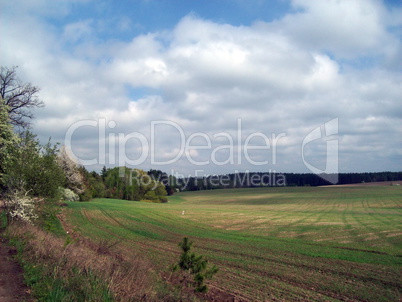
[[21, 206], [69, 195], [70, 168]]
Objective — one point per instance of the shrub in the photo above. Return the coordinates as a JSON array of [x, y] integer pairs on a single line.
[[151, 195], [69, 195], [21, 206]]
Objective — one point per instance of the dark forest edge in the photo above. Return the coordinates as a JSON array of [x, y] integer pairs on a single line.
[[154, 185]]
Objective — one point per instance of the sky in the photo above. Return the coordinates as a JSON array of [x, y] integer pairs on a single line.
[[214, 87]]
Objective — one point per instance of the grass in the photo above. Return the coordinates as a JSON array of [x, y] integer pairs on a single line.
[[58, 269], [49, 270], [320, 244]]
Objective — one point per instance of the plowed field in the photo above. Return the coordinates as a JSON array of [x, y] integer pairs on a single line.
[[281, 244]]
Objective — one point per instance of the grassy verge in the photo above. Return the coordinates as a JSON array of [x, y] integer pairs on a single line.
[[59, 267], [48, 285], [50, 271], [3, 220]]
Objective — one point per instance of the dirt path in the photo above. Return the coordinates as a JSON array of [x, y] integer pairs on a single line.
[[12, 287]]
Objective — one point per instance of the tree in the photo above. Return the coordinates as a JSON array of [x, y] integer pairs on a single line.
[[133, 184], [74, 179], [8, 142], [104, 173], [96, 185], [169, 182], [195, 265], [33, 168], [19, 97]]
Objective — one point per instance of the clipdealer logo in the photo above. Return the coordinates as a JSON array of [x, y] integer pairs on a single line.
[[238, 147], [327, 132]]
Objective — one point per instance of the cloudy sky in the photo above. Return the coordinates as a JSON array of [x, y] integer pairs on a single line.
[[205, 87]]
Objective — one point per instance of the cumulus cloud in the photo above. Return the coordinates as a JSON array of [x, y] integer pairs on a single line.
[[345, 28], [286, 76]]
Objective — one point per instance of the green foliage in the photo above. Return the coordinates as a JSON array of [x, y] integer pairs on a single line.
[[33, 168], [27, 168], [133, 184], [91, 184], [151, 195], [3, 220], [103, 173], [195, 265], [8, 142], [169, 182], [47, 217], [96, 184]]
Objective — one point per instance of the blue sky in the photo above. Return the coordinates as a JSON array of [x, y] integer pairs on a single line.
[[143, 16], [149, 16], [196, 68]]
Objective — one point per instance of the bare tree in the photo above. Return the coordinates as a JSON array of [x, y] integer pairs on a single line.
[[20, 97]]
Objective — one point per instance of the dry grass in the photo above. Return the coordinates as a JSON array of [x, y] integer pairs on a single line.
[[127, 280]]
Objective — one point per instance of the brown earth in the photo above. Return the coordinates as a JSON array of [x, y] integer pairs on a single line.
[[12, 287]]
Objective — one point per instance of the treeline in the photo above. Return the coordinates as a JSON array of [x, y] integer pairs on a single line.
[[154, 185], [271, 179]]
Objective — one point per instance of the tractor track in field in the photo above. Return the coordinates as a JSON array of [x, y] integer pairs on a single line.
[[297, 284], [238, 297], [270, 268], [257, 271], [282, 261], [90, 219]]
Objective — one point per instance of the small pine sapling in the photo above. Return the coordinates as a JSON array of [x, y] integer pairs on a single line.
[[195, 265]]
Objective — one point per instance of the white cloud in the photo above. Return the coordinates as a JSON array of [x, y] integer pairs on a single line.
[[346, 28], [76, 31], [287, 76]]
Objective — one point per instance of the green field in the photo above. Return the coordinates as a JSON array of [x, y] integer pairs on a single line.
[[286, 244]]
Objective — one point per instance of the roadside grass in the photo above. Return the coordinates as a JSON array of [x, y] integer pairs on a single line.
[[47, 217], [322, 244], [59, 267], [3, 220], [62, 268]]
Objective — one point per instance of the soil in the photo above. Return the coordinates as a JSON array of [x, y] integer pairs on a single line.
[[12, 287]]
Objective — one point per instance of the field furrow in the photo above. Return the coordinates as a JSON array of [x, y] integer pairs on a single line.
[[271, 244]]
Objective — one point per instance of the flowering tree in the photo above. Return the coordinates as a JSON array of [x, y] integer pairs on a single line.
[[74, 179], [27, 169], [8, 142]]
